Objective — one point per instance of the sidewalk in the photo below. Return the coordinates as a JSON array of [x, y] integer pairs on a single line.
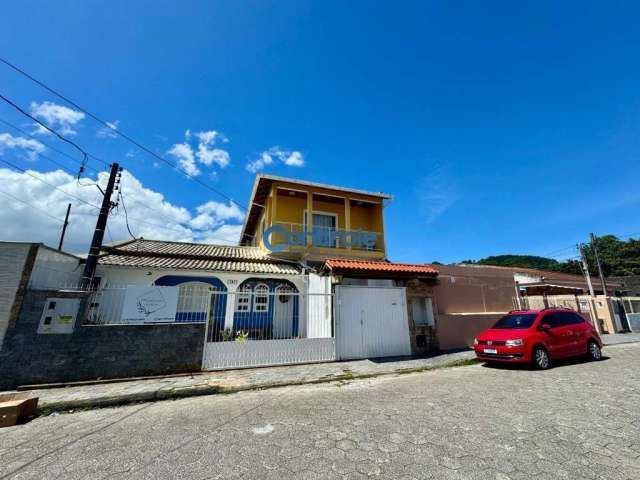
[[229, 381], [618, 338], [92, 395]]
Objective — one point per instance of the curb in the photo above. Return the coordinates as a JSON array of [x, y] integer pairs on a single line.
[[212, 389]]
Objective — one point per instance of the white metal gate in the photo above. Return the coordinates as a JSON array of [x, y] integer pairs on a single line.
[[262, 326], [371, 322]]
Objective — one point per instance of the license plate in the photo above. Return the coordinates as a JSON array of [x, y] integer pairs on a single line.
[[490, 350]]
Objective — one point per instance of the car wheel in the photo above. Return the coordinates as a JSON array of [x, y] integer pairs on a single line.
[[541, 358], [595, 352]]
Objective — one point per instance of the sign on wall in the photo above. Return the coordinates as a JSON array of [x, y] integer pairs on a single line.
[[150, 304]]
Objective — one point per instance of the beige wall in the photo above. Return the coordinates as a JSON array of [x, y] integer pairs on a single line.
[[469, 299], [458, 331], [470, 289]]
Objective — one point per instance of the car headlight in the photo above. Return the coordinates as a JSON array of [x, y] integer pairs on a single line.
[[475, 341], [514, 343]]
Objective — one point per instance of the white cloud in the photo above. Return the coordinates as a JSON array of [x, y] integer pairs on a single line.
[[29, 146], [213, 214], [184, 153], [290, 158], [204, 152], [259, 163], [226, 235], [294, 159], [209, 156], [58, 117], [150, 214], [108, 132]]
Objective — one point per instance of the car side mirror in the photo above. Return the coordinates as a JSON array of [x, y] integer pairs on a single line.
[[545, 327]]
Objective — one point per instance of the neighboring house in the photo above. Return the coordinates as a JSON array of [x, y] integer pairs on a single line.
[[630, 285], [540, 282]]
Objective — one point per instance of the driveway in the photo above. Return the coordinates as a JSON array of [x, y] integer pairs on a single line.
[[578, 420]]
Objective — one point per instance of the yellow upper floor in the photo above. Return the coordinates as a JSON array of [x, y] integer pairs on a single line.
[[344, 222]]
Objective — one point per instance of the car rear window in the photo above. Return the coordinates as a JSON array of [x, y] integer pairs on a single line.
[[516, 320]]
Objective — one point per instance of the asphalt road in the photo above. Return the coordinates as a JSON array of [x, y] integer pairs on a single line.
[[578, 420]]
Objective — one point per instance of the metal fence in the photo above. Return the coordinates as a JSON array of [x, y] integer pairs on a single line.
[[257, 314]]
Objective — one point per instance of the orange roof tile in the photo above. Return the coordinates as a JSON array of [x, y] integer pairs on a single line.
[[371, 266]]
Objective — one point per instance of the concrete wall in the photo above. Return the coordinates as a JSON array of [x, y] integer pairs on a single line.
[[13, 279], [458, 330], [93, 352], [472, 289], [469, 299]]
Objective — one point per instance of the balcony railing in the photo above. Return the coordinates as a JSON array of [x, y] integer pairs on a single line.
[[292, 235]]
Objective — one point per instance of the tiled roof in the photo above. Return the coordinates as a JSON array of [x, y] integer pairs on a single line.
[[191, 249], [193, 256], [370, 266]]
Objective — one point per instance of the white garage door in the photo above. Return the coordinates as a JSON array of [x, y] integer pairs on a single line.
[[371, 322]]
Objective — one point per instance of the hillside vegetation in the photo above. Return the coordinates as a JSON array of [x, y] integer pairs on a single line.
[[618, 258]]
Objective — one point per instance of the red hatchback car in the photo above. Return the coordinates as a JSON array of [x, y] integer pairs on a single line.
[[538, 337]]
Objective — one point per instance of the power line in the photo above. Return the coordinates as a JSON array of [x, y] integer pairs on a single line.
[[47, 183], [120, 133], [126, 215], [44, 212], [24, 132], [25, 113]]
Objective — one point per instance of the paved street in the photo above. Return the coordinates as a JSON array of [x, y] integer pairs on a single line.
[[578, 420]]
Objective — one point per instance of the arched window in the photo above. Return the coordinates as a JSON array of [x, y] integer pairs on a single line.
[[243, 299], [261, 298]]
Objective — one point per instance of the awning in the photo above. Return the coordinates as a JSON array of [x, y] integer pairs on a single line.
[[347, 266]]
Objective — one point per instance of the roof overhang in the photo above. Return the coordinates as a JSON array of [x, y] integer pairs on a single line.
[[369, 268]]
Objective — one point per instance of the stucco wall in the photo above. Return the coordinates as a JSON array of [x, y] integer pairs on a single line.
[[458, 331], [13, 257], [93, 352]]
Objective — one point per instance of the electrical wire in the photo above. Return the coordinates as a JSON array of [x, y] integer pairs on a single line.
[[50, 184], [24, 132], [126, 216], [121, 133], [61, 137]]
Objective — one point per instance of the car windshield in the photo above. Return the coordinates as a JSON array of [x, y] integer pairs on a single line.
[[516, 320]]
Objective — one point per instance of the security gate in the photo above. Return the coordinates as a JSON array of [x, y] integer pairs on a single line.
[[371, 322], [263, 326]]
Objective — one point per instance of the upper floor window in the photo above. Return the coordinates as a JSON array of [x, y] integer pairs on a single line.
[[324, 227]]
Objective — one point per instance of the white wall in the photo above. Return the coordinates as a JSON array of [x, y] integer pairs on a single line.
[[124, 276], [12, 261]]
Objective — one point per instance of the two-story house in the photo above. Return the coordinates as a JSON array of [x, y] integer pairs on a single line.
[[301, 242], [310, 222]]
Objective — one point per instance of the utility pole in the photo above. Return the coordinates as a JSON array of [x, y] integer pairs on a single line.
[[595, 253], [64, 227], [101, 225], [585, 267]]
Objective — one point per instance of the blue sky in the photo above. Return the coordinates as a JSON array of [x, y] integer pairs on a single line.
[[500, 127]]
